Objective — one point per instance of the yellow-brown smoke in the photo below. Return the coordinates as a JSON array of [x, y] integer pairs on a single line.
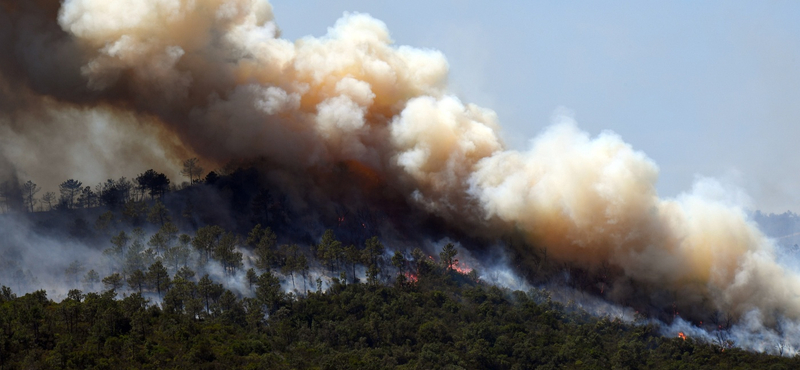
[[217, 74]]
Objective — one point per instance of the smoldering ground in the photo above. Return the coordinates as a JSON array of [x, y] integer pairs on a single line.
[[214, 78]]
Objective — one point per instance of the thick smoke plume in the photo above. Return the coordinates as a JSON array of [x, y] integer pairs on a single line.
[[215, 78]]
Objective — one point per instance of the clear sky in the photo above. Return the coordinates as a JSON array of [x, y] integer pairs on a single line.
[[704, 88]]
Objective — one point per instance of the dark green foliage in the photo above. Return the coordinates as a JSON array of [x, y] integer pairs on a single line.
[[447, 256], [441, 321], [134, 212], [113, 281], [263, 241], [104, 222], [137, 281], [206, 240], [330, 252], [268, 291], [429, 317], [158, 214], [225, 252], [158, 278], [252, 277], [208, 292]]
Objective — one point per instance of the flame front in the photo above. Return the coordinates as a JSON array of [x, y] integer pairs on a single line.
[[461, 267]]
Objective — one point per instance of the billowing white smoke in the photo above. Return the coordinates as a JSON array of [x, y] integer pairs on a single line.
[[217, 73], [594, 200]]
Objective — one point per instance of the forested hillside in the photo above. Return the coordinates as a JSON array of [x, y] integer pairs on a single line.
[[222, 273], [441, 319], [362, 211]]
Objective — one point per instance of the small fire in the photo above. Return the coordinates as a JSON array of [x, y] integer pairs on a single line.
[[461, 268], [411, 277], [681, 335]]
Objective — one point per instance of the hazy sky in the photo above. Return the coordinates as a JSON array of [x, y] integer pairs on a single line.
[[707, 88]]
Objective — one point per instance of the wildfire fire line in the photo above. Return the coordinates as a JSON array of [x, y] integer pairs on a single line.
[[215, 78]]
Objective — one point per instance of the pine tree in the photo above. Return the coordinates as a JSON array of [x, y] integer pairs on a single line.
[[137, 280], [158, 277], [447, 256], [113, 281]]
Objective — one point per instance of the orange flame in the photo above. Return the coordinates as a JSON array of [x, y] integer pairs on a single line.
[[681, 335], [461, 268], [412, 278]]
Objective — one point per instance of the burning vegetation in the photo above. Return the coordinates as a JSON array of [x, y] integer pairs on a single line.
[[347, 133]]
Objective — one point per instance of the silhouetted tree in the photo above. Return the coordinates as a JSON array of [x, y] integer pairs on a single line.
[[192, 170], [211, 178], [113, 193], [29, 190], [49, 198], [155, 183], [70, 190], [86, 198]]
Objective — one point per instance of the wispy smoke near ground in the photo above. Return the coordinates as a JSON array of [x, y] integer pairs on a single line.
[[215, 77]]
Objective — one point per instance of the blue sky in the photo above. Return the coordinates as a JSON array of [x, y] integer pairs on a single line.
[[704, 88]]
